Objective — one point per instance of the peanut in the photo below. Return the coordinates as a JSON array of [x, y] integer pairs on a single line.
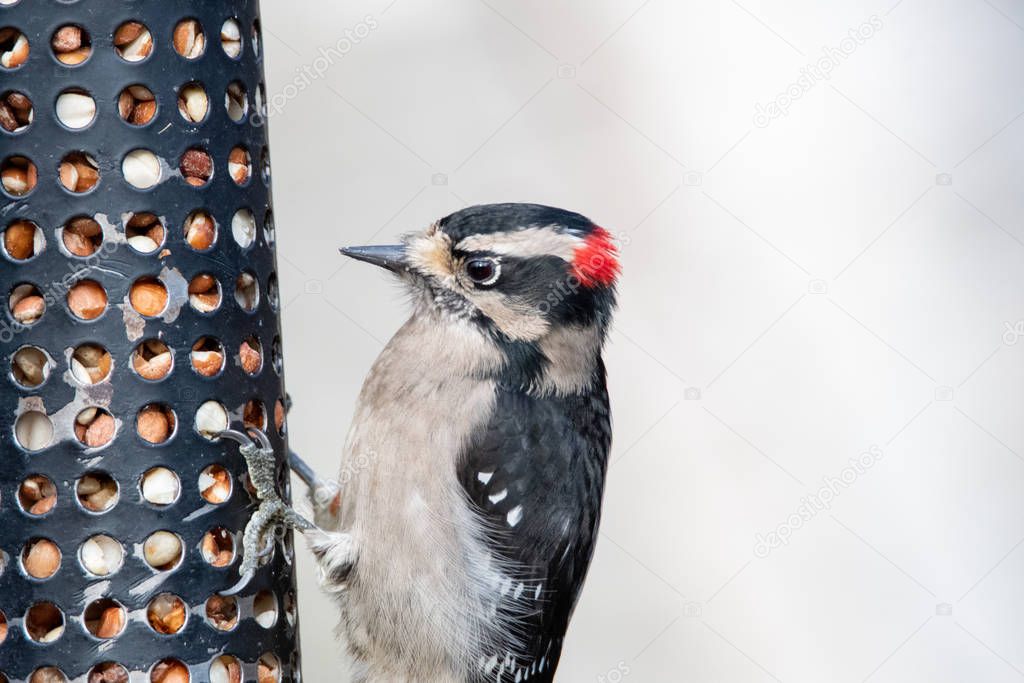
[[162, 550], [87, 299], [154, 423], [222, 612], [141, 169], [41, 558], [215, 484], [148, 296], [75, 110], [152, 359], [18, 175], [166, 613], [160, 486], [14, 49], [189, 41], [20, 239], [200, 232]]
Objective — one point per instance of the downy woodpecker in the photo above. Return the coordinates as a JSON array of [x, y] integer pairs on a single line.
[[473, 473]]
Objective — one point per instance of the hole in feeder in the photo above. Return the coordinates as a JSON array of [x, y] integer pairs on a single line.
[[264, 609], [14, 48], [204, 293], [94, 427], [30, 366], [166, 614], [243, 228], [250, 355], [218, 547], [40, 558], [148, 296], [276, 356], [163, 550], [87, 299], [260, 97], [247, 291], [215, 484], [196, 167], [44, 622], [90, 364], [137, 105], [289, 608], [269, 234], [133, 41], [18, 175], [193, 103], [37, 494], [257, 36], [160, 486], [273, 293], [152, 360], [231, 38], [225, 669], [33, 430], [211, 419], [82, 236], [239, 165], [141, 169], [48, 674], [254, 414], [279, 417], [101, 555], [15, 111], [79, 172], [235, 101], [169, 671], [200, 230], [97, 491], [189, 39], [222, 612], [155, 423], [207, 356], [145, 232], [108, 672], [76, 109], [23, 239], [71, 45], [105, 618], [268, 670], [265, 165]]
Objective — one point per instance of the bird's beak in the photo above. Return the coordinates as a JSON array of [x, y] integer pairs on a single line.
[[390, 256]]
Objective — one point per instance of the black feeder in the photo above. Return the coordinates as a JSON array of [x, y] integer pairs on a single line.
[[139, 317]]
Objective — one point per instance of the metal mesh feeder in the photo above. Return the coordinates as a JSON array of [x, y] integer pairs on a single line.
[[140, 317]]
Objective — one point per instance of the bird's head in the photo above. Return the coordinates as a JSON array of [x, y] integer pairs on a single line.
[[525, 274]]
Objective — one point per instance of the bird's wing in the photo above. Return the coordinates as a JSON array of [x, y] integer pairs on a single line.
[[535, 475]]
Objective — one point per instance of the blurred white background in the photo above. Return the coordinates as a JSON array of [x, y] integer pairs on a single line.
[[820, 217]]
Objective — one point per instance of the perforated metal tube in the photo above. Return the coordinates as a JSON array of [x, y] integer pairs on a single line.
[[83, 246]]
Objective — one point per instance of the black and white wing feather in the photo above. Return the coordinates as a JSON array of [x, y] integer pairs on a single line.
[[535, 475]]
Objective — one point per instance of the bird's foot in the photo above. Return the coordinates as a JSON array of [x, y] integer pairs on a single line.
[[273, 517]]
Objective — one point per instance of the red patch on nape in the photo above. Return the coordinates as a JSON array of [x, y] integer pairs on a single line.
[[596, 261]]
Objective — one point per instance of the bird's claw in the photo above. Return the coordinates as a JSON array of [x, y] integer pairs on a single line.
[[273, 514]]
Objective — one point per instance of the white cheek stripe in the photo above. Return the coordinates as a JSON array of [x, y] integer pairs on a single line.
[[525, 243]]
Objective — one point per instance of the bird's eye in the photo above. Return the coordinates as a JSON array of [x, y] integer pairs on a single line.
[[483, 271]]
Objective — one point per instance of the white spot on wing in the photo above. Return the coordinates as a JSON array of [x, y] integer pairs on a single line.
[[499, 496], [515, 515], [484, 477]]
